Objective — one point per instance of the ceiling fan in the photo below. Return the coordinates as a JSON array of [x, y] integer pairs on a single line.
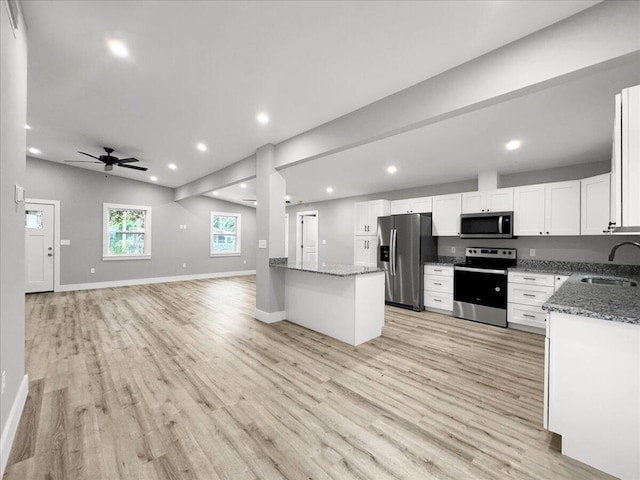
[[109, 161]]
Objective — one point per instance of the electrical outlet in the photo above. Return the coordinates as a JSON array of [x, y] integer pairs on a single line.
[[4, 382], [532, 252], [453, 249], [184, 265], [93, 270]]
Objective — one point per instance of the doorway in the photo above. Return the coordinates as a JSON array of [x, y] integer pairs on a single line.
[[42, 260], [307, 236]]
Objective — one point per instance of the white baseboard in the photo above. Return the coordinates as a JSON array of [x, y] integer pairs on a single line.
[[13, 420], [144, 281], [270, 317]]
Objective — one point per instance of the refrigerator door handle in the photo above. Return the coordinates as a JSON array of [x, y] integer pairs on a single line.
[[392, 260]]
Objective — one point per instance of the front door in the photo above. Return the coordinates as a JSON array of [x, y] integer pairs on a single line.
[[39, 220]]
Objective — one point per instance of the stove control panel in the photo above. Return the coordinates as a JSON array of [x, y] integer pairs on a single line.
[[485, 252]]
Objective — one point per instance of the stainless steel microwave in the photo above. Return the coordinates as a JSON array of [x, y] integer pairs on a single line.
[[486, 225]]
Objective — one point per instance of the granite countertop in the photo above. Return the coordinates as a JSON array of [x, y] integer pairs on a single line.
[[443, 264], [607, 302], [334, 269]]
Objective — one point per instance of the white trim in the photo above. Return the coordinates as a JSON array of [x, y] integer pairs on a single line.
[[270, 317], [299, 232], [56, 237], [144, 281], [11, 425], [105, 231], [238, 250]]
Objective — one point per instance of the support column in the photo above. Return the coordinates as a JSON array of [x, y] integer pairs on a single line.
[[270, 211]]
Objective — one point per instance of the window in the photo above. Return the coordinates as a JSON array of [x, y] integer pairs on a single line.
[[225, 234], [126, 232]]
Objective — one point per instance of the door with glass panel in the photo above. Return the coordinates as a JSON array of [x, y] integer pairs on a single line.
[[39, 234]]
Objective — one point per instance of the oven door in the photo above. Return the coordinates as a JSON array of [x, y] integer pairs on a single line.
[[480, 294]]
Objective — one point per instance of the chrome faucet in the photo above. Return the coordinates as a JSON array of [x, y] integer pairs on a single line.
[[612, 254]]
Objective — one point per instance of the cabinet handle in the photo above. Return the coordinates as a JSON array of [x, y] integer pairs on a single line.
[[547, 233], [528, 316], [530, 278], [540, 233], [437, 300], [437, 283], [437, 270], [528, 295]]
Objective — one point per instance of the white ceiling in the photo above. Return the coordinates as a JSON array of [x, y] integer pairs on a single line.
[[200, 71]]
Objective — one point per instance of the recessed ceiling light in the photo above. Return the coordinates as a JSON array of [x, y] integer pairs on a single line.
[[329, 189], [153, 178], [392, 169], [35, 151], [215, 193], [118, 48], [263, 118], [172, 166], [255, 203], [202, 147], [513, 145], [243, 185], [27, 126], [287, 197]]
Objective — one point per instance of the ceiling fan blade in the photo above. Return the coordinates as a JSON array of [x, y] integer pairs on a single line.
[[92, 156], [128, 160], [132, 166], [80, 161]]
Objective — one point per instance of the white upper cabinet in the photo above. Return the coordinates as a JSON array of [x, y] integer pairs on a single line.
[[549, 209], [366, 216], [594, 204], [500, 200], [625, 162], [562, 208], [446, 215], [411, 205]]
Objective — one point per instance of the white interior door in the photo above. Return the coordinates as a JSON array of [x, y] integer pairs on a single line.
[[309, 240], [39, 230]]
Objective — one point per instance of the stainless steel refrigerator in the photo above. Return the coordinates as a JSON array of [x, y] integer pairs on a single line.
[[404, 244]]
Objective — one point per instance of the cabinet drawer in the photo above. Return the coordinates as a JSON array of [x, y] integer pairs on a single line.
[[531, 278], [528, 294], [445, 270], [438, 283], [526, 315], [443, 301]]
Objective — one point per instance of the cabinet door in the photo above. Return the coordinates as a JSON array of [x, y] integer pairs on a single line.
[[362, 250], [630, 151], [422, 205], [400, 206], [362, 218], [473, 202], [528, 210], [594, 204], [377, 208], [562, 208], [500, 200], [446, 215], [372, 252]]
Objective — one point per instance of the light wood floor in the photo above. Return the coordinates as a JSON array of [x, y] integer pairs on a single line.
[[178, 381]]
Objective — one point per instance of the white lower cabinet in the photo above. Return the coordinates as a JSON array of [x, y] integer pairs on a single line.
[[438, 288], [365, 251], [526, 292], [592, 391]]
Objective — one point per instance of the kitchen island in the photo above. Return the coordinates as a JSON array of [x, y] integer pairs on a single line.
[[345, 302]]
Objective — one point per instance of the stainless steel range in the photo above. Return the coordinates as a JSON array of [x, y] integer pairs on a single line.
[[480, 285]]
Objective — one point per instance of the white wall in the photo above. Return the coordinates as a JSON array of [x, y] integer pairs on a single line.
[[82, 193], [13, 108]]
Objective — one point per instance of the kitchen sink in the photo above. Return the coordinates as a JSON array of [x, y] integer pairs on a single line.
[[618, 282]]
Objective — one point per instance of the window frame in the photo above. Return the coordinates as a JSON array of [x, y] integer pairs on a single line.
[[238, 251], [105, 232]]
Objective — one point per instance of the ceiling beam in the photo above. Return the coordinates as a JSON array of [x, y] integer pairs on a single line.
[[600, 37]]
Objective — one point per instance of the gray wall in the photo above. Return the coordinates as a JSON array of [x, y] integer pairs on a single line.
[[81, 194], [336, 220], [13, 115]]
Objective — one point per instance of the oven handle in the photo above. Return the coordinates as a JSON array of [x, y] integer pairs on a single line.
[[480, 270]]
